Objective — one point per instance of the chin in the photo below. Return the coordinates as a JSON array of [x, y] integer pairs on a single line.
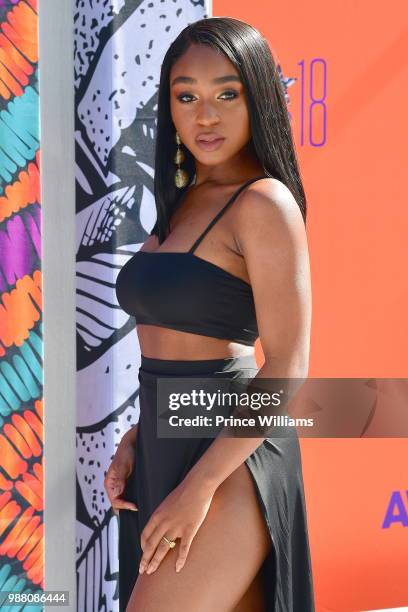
[[211, 157]]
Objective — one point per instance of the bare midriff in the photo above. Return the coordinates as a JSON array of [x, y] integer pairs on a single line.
[[163, 343]]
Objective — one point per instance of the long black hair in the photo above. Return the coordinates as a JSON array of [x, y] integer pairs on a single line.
[[272, 140]]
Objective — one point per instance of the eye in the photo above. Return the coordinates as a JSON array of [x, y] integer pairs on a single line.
[[233, 94], [183, 95]]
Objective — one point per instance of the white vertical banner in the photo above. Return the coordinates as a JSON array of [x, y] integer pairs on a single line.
[[119, 48], [58, 270]]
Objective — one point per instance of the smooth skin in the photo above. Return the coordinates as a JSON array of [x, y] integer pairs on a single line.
[[214, 514]]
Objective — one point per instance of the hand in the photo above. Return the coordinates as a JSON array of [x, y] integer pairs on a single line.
[[180, 515], [118, 472]]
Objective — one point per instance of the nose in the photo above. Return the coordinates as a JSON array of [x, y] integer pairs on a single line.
[[207, 114]]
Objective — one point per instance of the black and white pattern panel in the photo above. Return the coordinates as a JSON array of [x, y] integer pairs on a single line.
[[119, 47]]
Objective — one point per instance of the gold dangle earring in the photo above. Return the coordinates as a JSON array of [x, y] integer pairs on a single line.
[[181, 176]]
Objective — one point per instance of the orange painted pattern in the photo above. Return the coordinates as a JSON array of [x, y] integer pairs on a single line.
[[20, 309], [20, 441], [18, 49], [24, 191]]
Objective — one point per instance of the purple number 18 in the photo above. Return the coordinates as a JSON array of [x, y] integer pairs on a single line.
[[317, 105]]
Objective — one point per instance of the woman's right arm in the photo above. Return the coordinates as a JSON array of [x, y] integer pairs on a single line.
[[120, 469], [130, 436]]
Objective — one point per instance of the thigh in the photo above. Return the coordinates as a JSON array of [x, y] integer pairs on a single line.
[[224, 558], [253, 599]]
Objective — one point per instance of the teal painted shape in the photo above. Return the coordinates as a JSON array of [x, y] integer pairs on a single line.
[[19, 134], [15, 584], [27, 382], [32, 361], [21, 377], [6, 389]]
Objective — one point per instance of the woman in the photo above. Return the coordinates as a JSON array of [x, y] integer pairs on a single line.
[[217, 523]]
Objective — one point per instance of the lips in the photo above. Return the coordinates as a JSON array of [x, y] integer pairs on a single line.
[[208, 137]]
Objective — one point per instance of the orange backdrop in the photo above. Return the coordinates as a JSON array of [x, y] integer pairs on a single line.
[[349, 115]]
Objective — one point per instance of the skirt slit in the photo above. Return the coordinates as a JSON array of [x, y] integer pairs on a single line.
[[275, 467]]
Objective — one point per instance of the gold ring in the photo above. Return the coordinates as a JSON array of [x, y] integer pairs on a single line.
[[171, 543]]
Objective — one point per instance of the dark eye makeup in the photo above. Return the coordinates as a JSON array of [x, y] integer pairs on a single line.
[[234, 95]]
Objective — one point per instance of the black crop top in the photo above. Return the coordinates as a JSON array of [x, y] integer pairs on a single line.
[[181, 291]]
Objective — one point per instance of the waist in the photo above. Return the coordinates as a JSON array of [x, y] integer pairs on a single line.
[[170, 344], [191, 337], [198, 367]]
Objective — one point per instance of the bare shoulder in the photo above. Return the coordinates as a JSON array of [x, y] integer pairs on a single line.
[[150, 244], [268, 197], [267, 211]]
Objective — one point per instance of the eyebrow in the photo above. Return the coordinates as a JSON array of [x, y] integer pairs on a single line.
[[223, 79]]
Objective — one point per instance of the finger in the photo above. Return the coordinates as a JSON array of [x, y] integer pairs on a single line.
[[113, 476], [152, 524], [150, 545], [114, 488], [114, 493], [122, 504], [184, 549], [161, 551]]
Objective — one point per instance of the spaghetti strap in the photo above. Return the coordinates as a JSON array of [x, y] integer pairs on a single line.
[[223, 209]]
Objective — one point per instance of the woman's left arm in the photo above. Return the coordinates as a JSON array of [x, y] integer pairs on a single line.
[[270, 234]]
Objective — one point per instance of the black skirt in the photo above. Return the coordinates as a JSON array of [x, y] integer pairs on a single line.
[[162, 463]]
